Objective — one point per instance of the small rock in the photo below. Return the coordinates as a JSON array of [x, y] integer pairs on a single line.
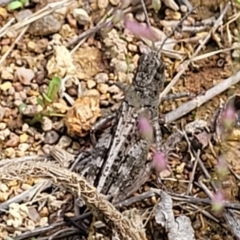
[[6, 75], [3, 187], [46, 149], [3, 13], [101, 78], [23, 138], [47, 124], [9, 152], [58, 125], [72, 92], [42, 45], [113, 89], [23, 147], [24, 75], [64, 142], [81, 16], [102, 4], [13, 141], [31, 110], [102, 88], [11, 91], [236, 52], [25, 13], [25, 127], [18, 86], [132, 48], [122, 76], [114, 2], [91, 84], [92, 92], [140, 16], [31, 46], [121, 66], [4, 134], [46, 25], [3, 126], [183, 8], [51, 137], [75, 146]]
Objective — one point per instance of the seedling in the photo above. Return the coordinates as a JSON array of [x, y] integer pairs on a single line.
[[45, 102], [16, 4]]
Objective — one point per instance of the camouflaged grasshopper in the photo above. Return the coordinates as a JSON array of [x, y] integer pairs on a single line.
[[117, 166]]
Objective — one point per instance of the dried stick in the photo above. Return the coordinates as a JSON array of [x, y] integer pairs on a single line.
[[186, 63], [198, 101], [96, 202]]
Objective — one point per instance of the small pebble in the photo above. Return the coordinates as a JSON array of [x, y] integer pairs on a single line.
[[6, 75], [58, 125], [51, 137], [46, 148], [5, 86], [24, 75], [101, 78], [102, 4], [91, 84], [3, 187], [4, 134], [140, 16], [31, 46], [121, 66], [13, 140], [114, 2], [92, 92], [23, 138], [3, 126], [75, 146], [72, 92], [64, 142], [183, 8], [102, 88], [113, 89], [25, 127], [46, 124], [23, 147], [9, 152], [81, 16], [132, 48]]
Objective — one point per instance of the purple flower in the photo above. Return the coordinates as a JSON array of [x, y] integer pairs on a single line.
[[145, 128], [218, 202], [221, 168], [159, 161], [228, 118], [139, 30]]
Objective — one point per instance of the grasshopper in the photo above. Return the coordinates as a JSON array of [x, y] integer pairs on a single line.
[[120, 156]]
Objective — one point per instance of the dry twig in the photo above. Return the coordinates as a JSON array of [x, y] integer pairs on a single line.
[[96, 202]]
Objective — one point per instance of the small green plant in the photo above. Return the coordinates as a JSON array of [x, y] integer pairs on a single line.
[[44, 102], [16, 4]]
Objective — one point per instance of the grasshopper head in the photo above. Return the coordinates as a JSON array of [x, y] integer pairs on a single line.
[[150, 70]]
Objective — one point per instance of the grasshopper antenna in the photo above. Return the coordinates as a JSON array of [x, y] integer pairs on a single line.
[[147, 19], [174, 29]]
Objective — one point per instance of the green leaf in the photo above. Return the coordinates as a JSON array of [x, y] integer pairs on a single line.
[[46, 98], [36, 118], [40, 102], [53, 89], [23, 2], [22, 107], [14, 5]]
